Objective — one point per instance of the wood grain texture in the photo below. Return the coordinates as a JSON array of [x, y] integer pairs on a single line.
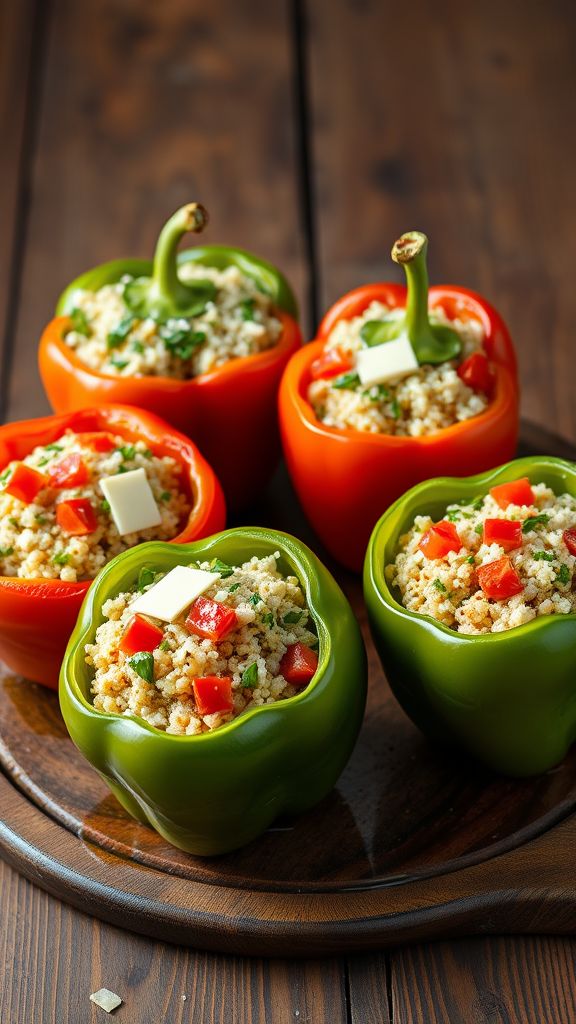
[[453, 119]]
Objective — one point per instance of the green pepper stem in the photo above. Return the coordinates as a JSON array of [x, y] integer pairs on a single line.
[[167, 284], [431, 344]]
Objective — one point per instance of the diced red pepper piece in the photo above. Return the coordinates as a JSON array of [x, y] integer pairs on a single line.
[[71, 471], [210, 619], [504, 532], [298, 665], [569, 537], [140, 635], [517, 492], [213, 694], [331, 363], [440, 539], [76, 517], [25, 483], [476, 373], [499, 580], [98, 440]]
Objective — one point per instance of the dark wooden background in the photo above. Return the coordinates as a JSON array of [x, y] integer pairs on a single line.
[[315, 131]]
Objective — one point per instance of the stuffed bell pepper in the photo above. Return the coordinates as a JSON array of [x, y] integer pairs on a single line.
[[200, 338], [471, 592], [217, 685], [76, 490], [400, 385]]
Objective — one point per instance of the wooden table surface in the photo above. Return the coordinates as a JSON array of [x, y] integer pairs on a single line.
[[315, 132]]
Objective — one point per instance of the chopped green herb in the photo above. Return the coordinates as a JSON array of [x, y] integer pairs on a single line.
[[4, 552], [165, 645], [377, 393], [233, 588], [44, 461], [147, 454], [268, 619], [128, 452], [440, 586], [396, 408], [165, 496], [247, 309], [453, 516], [122, 469], [119, 364], [80, 322], [468, 515], [250, 675], [564, 576], [476, 504], [347, 382], [143, 665], [105, 505], [479, 528], [53, 448], [117, 336], [61, 558], [146, 576], [291, 618], [217, 565], [534, 521], [544, 556], [39, 518], [183, 341], [138, 347], [4, 476], [13, 521], [471, 560], [255, 600]]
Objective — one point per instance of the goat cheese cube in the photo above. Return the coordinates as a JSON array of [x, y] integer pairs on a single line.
[[385, 362], [168, 598], [131, 501]]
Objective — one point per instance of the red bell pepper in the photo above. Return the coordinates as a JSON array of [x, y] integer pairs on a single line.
[[140, 635], [210, 619], [213, 694], [331, 363], [499, 580], [99, 440], [298, 665], [476, 373], [569, 538], [504, 532], [517, 492], [76, 517], [363, 473], [24, 483], [71, 471], [440, 539], [37, 616]]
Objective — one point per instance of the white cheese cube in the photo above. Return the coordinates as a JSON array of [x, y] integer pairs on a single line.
[[131, 501], [385, 362], [168, 598]]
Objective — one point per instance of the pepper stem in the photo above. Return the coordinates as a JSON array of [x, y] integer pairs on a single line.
[[432, 343], [168, 286]]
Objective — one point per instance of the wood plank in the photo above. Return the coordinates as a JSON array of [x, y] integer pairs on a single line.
[[57, 956], [480, 981], [17, 31], [147, 106], [452, 118]]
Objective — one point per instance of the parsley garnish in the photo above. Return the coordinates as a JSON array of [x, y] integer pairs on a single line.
[[471, 560], [44, 461], [233, 588], [377, 393], [479, 528], [128, 452], [53, 448], [250, 675], [105, 505], [165, 645], [4, 476], [477, 503], [120, 333], [119, 364], [138, 347], [217, 565], [347, 382], [39, 518], [534, 521], [544, 556], [146, 576], [143, 665], [4, 552], [182, 341], [247, 309], [268, 619], [80, 322], [564, 575], [165, 496], [255, 600], [453, 516], [12, 521], [61, 558], [292, 617], [396, 408], [440, 586]]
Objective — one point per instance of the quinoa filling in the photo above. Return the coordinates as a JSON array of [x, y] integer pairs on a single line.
[[491, 563], [187, 683], [34, 543], [423, 402], [238, 320]]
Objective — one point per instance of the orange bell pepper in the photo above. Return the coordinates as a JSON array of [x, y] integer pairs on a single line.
[[345, 479], [37, 616]]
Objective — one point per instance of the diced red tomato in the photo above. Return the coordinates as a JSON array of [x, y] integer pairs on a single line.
[[76, 517], [99, 440], [569, 537], [503, 532], [210, 619], [71, 471], [440, 539], [25, 483], [298, 665], [499, 580], [517, 492], [213, 694], [331, 363], [476, 373], [140, 635]]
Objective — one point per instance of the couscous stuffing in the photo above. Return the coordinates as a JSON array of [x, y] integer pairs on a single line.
[[492, 563], [55, 522], [422, 402], [234, 319], [246, 641]]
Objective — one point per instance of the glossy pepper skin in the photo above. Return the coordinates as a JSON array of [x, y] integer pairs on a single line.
[[507, 698], [346, 478], [37, 616], [214, 792], [208, 408]]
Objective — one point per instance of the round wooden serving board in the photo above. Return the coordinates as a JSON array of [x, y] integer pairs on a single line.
[[413, 842]]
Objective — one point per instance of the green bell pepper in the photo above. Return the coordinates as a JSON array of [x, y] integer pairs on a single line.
[[213, 792], [509, 698], [157, 290]]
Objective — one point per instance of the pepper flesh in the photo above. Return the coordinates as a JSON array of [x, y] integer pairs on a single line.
[[25, 483], [499, 579], [298, 665], [330, 364], [517, 492], [213, 694], [476, 373], [569, 537], [210, 619], [71, 471], [505, 532], [440, 540], [76, 517]]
